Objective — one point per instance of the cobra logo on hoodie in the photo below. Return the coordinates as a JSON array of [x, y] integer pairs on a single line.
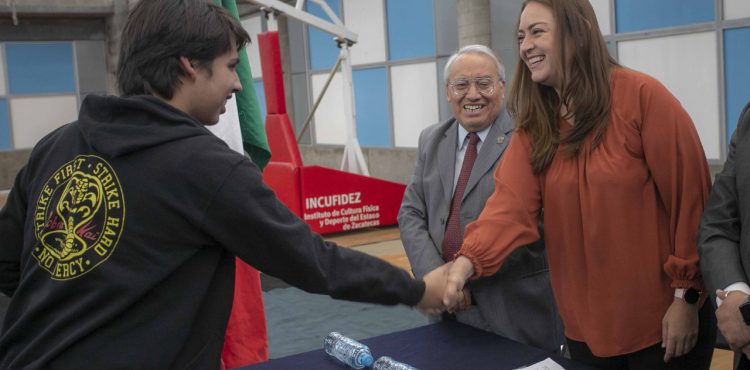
[[78, 217]]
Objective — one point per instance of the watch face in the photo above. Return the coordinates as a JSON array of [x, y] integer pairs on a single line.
[[692, 296]]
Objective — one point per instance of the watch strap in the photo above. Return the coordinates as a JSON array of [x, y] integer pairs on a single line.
[[745, 310]]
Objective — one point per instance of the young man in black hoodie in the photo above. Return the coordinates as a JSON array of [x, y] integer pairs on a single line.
[[118, 238]]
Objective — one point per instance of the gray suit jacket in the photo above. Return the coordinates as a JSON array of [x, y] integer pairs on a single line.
[[516, 302], [724, 233]]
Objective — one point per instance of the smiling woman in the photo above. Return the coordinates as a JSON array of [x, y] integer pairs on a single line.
[[616, 164], [572, 81], [537, 42]]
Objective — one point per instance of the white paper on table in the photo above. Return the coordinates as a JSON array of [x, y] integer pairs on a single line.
[[546, 364]]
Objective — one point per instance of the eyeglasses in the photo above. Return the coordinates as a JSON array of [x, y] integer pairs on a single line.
[[461, 86]]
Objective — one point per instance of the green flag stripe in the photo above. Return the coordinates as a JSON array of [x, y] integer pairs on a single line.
[[254, 138]]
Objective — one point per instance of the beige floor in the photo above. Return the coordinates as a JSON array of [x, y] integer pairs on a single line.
[[386, 244]]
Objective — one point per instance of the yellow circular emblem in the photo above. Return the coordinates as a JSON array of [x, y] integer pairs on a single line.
[[78, 218]]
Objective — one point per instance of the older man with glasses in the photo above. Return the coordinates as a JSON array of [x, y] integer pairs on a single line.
[[450, 185]]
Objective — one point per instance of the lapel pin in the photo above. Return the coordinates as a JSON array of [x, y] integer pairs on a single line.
[[501, 139]]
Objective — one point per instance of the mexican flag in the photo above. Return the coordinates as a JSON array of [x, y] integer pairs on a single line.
[[248, 118], [246, 340]]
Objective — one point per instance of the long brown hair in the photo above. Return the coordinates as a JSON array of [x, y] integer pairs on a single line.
[[585, 89]]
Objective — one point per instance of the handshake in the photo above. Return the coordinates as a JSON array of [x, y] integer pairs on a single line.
[[444, 288]]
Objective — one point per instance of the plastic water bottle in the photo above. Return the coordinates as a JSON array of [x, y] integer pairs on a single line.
[[347, 350], [387, 363]]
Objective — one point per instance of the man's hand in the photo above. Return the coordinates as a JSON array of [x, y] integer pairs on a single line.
[[459, 272], [679, 329], [432, 300], [730, 322]]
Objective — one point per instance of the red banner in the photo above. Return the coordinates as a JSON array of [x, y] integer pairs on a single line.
[[335, 201]]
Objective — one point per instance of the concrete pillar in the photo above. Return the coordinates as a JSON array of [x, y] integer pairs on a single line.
[[114, 25], [503, 18], [473, 22]]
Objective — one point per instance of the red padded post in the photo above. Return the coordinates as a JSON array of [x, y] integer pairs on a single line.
[[281, 140], [282, 173], [273, 80]]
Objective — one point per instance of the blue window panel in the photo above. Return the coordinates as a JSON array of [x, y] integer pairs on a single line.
[[40, 68], [323, 50], [4, 126], [736, 75], [258, 84], [640, 15], [411, 29], [371, 104]]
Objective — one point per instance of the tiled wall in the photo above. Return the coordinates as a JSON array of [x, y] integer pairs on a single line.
[[396, 67], [42, 84], [737, 72], [697, 48]]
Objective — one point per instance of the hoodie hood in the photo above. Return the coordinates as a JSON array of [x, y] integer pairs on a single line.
[[117, 126]]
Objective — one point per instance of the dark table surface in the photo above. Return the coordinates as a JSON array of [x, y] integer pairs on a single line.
[[445, 345]]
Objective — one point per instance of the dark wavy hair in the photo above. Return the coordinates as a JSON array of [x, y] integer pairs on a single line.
[[159, 32], [586, 87]]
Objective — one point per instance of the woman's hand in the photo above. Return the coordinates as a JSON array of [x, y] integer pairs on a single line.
[[679, 329], [461, 270]]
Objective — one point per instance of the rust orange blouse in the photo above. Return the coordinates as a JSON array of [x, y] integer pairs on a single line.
[[620, 221]]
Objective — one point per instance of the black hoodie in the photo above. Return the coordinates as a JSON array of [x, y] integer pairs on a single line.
[[118, 238]]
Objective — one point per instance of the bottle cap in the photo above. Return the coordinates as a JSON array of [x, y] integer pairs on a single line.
[[365, 359]]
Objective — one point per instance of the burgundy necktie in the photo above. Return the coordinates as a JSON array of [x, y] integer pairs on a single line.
[[453, 233]]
